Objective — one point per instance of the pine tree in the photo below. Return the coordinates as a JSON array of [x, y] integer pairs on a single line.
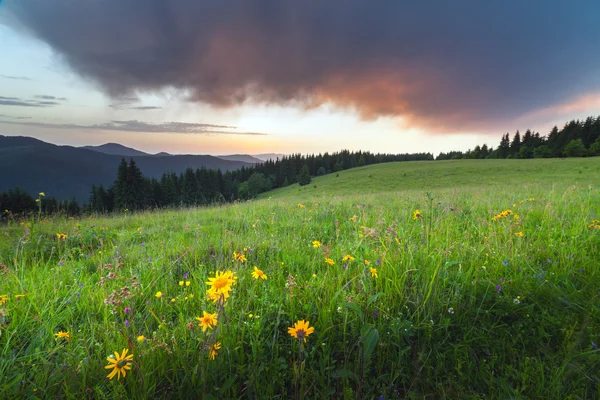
[[304, 176]]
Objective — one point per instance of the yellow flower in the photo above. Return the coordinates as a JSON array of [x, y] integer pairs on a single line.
[[120, 364], [62, 335], [239, 256], [416, 214], [250, 315], [173, 300], [220, 285], [348, 257], [300, 330], [208, 321], [397, 240], [367, 262], [516, 216], [3, 299], [141, 338], [373, 272], [180, 283], [301, 205], [158, 295], [20, 296], [213, 350], [42, 194], [259, 274], [314, 275], [188, 283], [352, 218], [519, 234], [316, 244], [531, 199], [61, 236], [329, 261]]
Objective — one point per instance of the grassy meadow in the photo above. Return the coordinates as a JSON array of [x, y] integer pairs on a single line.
[[453, 279]]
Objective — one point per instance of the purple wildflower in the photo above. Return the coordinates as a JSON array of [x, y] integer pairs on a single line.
[[127, 309], [346, 267], [185, 276], [501, 279], [143, 244], [378, 262], [375, 314], [150, 259], [505, 263], [498, 288], [126, 323]]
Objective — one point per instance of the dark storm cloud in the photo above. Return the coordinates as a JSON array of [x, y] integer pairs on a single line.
[[449, 64], [140, 126]]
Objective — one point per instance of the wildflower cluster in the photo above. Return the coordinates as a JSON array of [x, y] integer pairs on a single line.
[[595, 224], [502, 215]]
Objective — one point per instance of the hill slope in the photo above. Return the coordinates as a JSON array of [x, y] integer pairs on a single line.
[[64, 171], [427, 175]]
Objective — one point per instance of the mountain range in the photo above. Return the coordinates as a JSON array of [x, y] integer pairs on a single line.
[[64, 172], [120, 150]]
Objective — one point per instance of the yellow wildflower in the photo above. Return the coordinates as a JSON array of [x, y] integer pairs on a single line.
[[300, 330], [329, 261], [208, 321], [213, 350], [519, 234], [239, 256], [348, 257], [120, 364], [62, 335], [373, 272], [158, 295], [141, 338], [220, 285], [316, 244], [259, 274], [416, 214]]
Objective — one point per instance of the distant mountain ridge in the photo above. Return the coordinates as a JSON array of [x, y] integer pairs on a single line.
[[120, 150], [64, 172], [116, 149]]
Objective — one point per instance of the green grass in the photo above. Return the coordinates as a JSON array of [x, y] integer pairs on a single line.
[[461, 308], [427, 175]]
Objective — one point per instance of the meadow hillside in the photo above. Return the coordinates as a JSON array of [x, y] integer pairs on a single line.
[[455, 279], [459, 174]]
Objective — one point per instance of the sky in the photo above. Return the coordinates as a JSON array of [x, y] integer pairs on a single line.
[[310, 76]]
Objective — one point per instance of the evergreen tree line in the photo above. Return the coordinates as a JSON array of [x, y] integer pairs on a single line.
[[576, 139], [132, 191], [19, 201]]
